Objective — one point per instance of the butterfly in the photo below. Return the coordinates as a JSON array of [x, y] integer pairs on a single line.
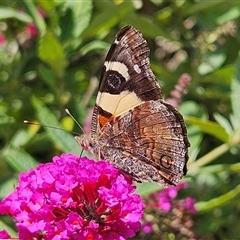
[[132, 126]]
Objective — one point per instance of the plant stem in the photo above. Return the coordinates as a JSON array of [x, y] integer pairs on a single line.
[[209, 157]]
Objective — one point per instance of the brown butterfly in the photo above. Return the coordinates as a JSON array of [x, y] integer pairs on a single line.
[[132, 126]]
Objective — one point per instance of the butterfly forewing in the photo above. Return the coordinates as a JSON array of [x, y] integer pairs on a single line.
[[126, 79]]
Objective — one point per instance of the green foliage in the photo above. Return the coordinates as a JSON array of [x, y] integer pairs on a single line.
[[7, 12], [51, 52], [49, 62], [64, 140]]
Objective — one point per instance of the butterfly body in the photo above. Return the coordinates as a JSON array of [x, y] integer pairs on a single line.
[[132, 126]]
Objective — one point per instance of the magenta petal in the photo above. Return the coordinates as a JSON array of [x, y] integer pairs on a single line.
[[4, 234], [74, 198]]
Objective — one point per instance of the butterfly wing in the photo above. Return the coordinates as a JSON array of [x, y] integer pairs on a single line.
[[148, 142], [132, 126], [126, 79]]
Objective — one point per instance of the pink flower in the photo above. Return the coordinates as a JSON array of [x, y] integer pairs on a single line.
[[179, 90], [164, 199], [147, 227], [88, 120], [3, 40], [188, 204], [31, 30], [166, 213], [4, 234], [164, 204], [74, 198]]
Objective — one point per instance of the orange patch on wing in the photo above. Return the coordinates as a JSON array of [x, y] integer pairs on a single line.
[[102, 120]]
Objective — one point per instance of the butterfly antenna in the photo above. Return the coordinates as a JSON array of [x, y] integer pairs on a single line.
[[74, 119], [47, 126]]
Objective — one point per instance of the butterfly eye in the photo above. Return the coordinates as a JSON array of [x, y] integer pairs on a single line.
[[84, 146], [87, 145], [83, 142]]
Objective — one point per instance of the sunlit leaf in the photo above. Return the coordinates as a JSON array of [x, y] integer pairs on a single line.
[[108, 17], [23, 136], [47, 76], [221, 76], [93, 46], [7, 12], [209, 127], [142, 23], [37, 18], [224, 123], [235, 95], [81, 13], [49, 5], [51, 52], [234, 121], [8, 229], [213, 62], [229, 15], [64, 140], [7, 187], [219, 201], [67, 123], [194, 133], [203, 6], [208, 158], [19, 159], [147, 188]]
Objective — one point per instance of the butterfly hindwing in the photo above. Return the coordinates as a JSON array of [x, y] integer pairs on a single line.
[[150, 141]]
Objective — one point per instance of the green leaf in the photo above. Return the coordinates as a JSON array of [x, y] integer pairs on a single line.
[[51, 52], [234, 121], [37, 18], [195, 135], [214, 61], [48, 76], [220, 77], [224, 123], [193, 167], [229, 15], [7, 187], [19, 159], [145, 188], [142, 23], [8, 229], [64, 140], [224, 199], [48, 6], [6, 12], [23, 136], [203, 6], [108, 17], [220, 169], [235, 95], [81, 15], [93, 46], [209, 127]]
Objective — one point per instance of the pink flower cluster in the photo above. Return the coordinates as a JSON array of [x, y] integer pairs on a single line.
[[168, 214], [3, 40], [74, 198], [164, 199], [4, 234], [179, 90]]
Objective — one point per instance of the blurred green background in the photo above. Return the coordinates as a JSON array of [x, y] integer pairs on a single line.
[[52, 52]]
